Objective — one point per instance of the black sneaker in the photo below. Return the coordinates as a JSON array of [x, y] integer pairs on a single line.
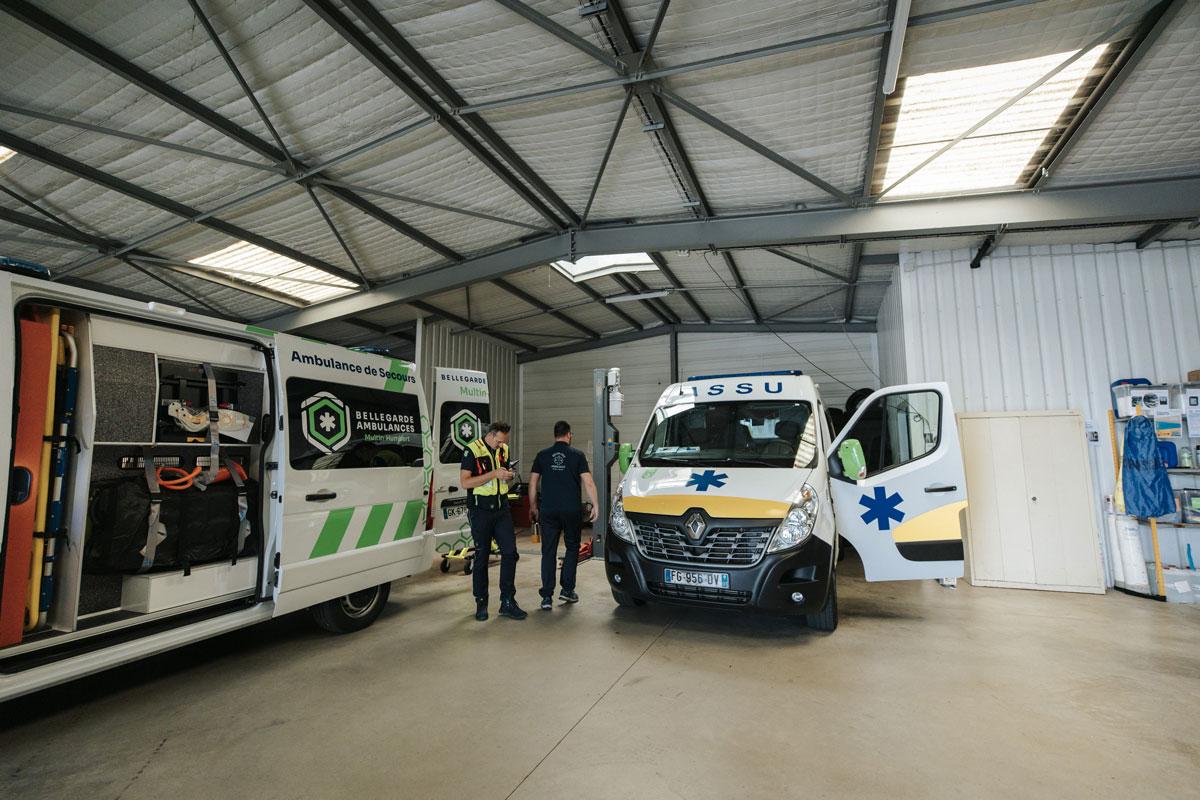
[[568, 597], [481, 613], [510, 609], [547, 604]]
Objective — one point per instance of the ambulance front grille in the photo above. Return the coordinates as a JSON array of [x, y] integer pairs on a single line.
[[726, 547]]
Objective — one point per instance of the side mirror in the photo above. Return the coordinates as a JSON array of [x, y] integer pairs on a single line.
[[625, 456], [854, 463]]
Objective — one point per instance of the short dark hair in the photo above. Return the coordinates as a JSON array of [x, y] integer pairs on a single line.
[[561, 428], [499, 427]]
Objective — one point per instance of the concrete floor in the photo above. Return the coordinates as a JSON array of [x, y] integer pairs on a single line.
[[922, 692]]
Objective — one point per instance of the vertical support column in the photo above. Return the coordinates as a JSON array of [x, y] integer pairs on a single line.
[[604, 452], [674, 354]]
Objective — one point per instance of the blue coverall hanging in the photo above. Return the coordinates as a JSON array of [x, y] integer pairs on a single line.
[[1144, 480]]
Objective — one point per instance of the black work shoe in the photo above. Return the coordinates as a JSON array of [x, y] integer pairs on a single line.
[[481, 610], [568, 597], [547, 604], [510, 609]]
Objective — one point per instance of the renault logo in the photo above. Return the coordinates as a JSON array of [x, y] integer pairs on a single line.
[[695, 527]]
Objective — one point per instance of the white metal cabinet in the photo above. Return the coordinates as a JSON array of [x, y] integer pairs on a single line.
[[1031, 524]]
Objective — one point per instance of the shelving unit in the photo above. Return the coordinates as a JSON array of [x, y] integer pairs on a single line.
[[1176, 472]]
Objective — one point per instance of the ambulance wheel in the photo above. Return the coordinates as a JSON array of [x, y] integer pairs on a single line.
[[625, 601], [352, 612], [827, 618], [468, 563], [445, 565]]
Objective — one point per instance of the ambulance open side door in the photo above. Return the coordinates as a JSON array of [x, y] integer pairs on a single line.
[[898, 485], [355, 485], [461, 413]]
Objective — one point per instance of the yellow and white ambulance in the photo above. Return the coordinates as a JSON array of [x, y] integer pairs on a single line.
[[738, 495], [198, 476]]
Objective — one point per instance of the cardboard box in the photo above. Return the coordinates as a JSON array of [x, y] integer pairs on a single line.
[[1194, 376]]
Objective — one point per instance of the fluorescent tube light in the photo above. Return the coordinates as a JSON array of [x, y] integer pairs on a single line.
[[629, 298]]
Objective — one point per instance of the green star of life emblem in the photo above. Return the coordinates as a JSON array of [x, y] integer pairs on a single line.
[[325, 422], [464, 428]]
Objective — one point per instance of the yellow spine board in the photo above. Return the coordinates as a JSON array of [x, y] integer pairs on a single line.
[[43, 495]]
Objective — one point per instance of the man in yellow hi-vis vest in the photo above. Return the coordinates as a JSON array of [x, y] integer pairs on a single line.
[[485, 473]]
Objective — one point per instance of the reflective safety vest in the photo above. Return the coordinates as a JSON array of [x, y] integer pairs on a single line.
[[483, 465]]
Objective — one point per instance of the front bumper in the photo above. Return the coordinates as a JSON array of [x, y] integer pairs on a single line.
[[765, 587]]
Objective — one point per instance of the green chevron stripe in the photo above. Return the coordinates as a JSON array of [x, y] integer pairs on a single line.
[[372, 532], [408, 522], [400, 382], [332, 532]]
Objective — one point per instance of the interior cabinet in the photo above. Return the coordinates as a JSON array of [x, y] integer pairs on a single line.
[[1031, 521]]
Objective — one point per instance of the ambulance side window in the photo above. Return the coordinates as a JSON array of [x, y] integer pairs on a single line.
[[898, 428], [339, 426]]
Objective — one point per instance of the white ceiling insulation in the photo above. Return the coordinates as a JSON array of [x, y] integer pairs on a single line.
[[812, 105]]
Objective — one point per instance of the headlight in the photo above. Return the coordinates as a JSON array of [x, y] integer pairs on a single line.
[[798, 524], [619, 522]]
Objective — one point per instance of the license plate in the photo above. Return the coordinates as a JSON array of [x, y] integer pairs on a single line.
[[708, 580], [454, 512]]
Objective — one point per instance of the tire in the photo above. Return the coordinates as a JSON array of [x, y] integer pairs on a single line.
[[468, 565], [827, 618], [352, 612], [625, 601], [445, 567]]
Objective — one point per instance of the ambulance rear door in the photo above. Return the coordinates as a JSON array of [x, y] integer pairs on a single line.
[[355, 474], [461, 414]]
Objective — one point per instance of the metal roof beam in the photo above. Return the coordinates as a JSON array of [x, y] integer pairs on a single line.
[[608, 149], [545, 308], [752, 144], [567, 35], [177, 288], [862, 32], [144, 140], [56, 229], [804, 262], [1140, 43], [852, 285], [412, 58], [433, 310], [808, 302], [367, 48], [78, 42], [717, 328], [403, 198], [1052, 208], [673, 279], [737, 277], [113, 183], [1152, 234]]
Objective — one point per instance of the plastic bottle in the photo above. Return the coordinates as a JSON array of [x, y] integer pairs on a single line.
[[1186, 461]]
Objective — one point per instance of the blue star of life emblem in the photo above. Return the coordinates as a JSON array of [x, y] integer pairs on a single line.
[[704, 480], [882, 508]]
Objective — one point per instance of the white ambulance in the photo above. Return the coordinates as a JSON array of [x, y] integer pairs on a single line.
[[461, 413], [738, 495], [172, 477]]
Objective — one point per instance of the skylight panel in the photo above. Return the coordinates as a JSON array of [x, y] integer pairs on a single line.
[[588, 267], [938, 107], [6, 154], [252, 264]]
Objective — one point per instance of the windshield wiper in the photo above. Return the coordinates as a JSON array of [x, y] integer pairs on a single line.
[[755, 461]]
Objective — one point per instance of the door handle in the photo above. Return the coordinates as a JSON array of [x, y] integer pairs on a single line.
[[320, 497], [451, 488], [935, 488]]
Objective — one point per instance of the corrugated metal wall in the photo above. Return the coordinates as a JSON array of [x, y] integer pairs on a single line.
[[561, 388], [827, 357], [441, 347], [889, 328], [1050, 327]]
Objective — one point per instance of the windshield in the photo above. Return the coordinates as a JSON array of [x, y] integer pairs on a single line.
[[748, 433]]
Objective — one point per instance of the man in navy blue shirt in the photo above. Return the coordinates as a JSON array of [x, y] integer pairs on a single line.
[[561, 472]]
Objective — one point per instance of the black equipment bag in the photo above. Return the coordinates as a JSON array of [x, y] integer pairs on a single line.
[[201, 526]]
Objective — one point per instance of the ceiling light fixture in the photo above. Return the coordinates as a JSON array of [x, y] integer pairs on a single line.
[[629, 298]]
